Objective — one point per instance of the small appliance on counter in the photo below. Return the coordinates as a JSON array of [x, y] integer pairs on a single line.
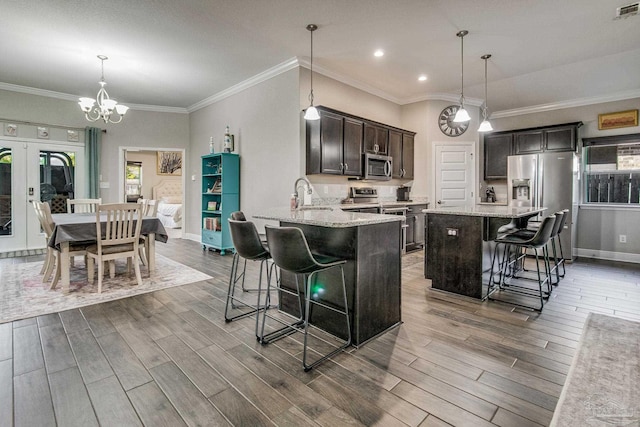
[[403, 193]]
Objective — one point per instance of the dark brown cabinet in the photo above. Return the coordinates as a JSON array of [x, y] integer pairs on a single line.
[[376, 138], [552, 138], [497, 147], [334, 145], [401, 149]]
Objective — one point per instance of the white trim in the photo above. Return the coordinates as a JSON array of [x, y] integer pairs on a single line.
[[191, 236], [270, 73], [571, 103], [74, 98], [606, 207], [297, 62], [608, 255]]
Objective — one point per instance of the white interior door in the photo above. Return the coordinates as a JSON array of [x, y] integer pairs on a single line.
[[35, 170], [454, 166]]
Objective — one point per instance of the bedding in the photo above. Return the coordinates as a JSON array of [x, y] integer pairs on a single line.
[[169, 197]]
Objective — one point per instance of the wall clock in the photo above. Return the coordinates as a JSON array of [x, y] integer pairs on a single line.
[[447, 125]]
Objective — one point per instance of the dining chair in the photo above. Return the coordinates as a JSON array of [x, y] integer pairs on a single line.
[[118, 237], [52, 258], [82, 205], [47, 228], [150, 208]]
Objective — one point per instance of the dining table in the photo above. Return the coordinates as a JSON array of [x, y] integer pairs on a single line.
[[80, 228]]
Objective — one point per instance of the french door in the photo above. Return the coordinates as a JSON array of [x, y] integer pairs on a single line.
[[48, 171]]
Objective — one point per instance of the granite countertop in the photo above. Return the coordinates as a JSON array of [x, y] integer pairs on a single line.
[[332, 217], [494, 211]]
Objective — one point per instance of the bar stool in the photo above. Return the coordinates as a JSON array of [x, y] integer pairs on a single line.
[[567, 214], [248, 246], [291, 253], [514, 246]]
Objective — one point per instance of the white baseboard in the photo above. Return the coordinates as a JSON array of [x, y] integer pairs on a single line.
[[194, 237], [608, 255]]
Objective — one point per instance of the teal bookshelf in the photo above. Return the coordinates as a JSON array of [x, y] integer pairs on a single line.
[[220, 197]]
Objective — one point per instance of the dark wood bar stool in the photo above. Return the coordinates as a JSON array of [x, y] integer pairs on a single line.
[[291, 253], [508, 268], [249, 247]]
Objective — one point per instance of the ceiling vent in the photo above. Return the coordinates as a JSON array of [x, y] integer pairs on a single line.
[[626, 11]]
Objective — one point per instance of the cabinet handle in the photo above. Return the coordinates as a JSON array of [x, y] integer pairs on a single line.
[[341, 167], [346, 166]]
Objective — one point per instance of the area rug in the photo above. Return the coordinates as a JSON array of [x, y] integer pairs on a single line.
[[603, 384], [23, 295]]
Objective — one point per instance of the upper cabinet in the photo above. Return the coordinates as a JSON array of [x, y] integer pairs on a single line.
[[553, 138], [401, 149], [334, 145], [336, 142], [496, 149], [376, 139], [499, 145]]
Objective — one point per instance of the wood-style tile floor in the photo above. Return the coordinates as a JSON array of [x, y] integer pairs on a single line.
[[168, 358]]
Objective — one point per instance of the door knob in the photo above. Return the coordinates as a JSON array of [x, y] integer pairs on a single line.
[[439, 202]]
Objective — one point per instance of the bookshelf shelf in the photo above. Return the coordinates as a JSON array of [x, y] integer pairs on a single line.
[[220, 172]]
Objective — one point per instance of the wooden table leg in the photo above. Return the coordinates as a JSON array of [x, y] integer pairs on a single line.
[[150, 241], [64, 266]]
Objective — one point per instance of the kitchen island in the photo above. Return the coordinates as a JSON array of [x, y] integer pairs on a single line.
[[460, 243], [371, 245]]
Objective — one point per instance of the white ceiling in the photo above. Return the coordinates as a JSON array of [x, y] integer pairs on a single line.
[[177, 53]]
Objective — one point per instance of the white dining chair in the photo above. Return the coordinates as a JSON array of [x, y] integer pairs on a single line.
[[150, 209], [119, 238], [82, 205]]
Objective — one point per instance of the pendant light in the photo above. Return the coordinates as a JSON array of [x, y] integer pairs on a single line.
[[462, 115], [485, 126], [312, 112]]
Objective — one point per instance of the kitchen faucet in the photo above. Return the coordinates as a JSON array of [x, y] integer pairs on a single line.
[[305, 183]]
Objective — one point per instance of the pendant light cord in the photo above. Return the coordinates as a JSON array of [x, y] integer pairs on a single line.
[[311, 92], [462, 68]]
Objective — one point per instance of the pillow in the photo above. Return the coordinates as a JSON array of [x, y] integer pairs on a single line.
[[174, 200]]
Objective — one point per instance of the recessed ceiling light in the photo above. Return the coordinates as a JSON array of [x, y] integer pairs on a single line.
[[422, 78], [378, 53]]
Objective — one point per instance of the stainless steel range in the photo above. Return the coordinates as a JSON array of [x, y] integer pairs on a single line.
[[370, 195]]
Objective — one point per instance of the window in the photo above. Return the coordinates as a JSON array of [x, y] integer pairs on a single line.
[[134, 181], [612, 170]]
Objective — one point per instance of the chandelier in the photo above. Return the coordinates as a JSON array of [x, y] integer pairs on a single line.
[[105, 107]]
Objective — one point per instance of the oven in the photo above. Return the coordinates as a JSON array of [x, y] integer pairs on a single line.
[[377, 167], [402, 211]]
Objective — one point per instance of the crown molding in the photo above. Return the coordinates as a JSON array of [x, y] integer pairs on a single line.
[[270, 73], [74, 98], [572, 103]]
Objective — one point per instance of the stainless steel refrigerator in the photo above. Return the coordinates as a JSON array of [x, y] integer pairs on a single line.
[[546, 180]]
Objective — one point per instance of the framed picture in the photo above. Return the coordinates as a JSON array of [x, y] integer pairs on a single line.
[[169, 163], [621, 119], [10, 129]]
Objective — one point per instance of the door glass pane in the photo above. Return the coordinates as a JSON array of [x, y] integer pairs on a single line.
[[57, 178], [5, 191]]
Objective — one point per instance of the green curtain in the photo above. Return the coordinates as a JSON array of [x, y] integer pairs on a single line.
[[92, 138]]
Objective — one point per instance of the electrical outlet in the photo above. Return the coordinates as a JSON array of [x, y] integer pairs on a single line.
[[623, 238]]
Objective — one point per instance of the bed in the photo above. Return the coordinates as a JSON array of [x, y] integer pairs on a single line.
[[169, 197]]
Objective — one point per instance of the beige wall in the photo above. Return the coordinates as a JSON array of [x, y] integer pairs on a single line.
[[265, 120], [150, 178]]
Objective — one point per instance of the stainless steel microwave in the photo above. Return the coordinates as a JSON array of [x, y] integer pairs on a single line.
[[377, 167]]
